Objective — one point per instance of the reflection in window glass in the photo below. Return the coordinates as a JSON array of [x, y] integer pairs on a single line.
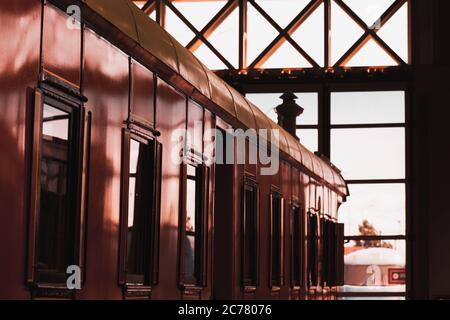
[[56, 223], [369, 153], [367, 107], [307, 100], [249, 234], [309, 138], [193, 196], [374, 209], [375, 266], [140, 192], [276, 239]]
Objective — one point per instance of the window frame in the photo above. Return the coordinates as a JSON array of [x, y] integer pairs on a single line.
[[279, 281], [250, 284], [201, 244], [151, 278], [297, 245], [62, 96], [406, 181], [313, 250]]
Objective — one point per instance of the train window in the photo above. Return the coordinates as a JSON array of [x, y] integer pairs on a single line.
[[193, 225], [312, 250], [140, 210], [56, 222], [249, 233], [296, 245], [276, 239]]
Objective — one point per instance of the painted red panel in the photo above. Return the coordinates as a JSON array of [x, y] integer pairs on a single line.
[[170, 116], [106, 85], [142, 93], [61, 45], [19, 66]]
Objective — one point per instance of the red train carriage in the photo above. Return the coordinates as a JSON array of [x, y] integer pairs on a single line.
[[86, 178]]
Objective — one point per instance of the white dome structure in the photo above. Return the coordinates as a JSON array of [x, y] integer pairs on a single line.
[[374, 256]]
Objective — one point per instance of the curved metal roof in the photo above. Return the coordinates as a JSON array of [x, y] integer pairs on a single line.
[[147, 34]]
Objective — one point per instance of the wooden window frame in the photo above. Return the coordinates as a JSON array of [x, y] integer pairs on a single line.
[[152, 275], [250, 184], [312, 250], [63, 96], [202, 201], [297, 209], [275, 284]]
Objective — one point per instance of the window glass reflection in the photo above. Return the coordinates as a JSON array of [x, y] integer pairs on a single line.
[[55, 234], [193, 197], [140, 201]]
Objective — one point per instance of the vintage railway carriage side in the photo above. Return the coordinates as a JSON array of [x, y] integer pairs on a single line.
[[87, 179]]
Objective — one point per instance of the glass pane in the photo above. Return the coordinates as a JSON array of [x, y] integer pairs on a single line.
[[226, 38], [344, 32], [395, 32], [309, 138], [286, 56], [367, 107], [369, 10], [375, 268], [260, 33], [268, 101], [55, 234], [369, 153], [374, 209], [282, 11], [309, 32], [199, 13], [209, 58], [134, 155], [309, 101], [296, 242], [56, 123], [371, 54], [192, 196], [190, 205], [177, 28], [276, 240], [250, 240], [139, 210]]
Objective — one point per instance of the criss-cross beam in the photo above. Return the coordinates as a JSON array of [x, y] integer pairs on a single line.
[[284, 34], [212, 25], [198, 34], [370, 33], [149, 6]]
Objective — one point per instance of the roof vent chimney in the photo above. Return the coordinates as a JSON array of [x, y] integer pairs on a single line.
[[288, 112]]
